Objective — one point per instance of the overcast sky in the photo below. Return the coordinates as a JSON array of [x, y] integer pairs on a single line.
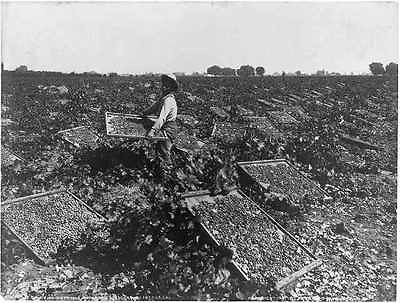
[[134, 38]]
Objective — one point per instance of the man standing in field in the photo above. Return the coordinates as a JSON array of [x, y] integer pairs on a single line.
[[167, 110]]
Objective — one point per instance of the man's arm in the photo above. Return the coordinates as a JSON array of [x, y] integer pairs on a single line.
[[162, 118]]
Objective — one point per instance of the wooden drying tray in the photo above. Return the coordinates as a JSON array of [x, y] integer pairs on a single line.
[[62, 132], [108, 115], [240, 128], [267, 103], [278, 101], [283, 282], [21, 200], [274, 162], [12, 153], [252, 121], [360, 143]]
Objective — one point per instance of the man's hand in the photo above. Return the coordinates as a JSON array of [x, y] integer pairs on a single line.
[[151, 133]]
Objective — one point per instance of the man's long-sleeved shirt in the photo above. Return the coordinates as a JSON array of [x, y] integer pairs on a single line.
[[167, 110]]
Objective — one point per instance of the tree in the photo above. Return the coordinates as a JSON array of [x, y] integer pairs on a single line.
[[22, 69], [214, 70], [298, 73], [376, 68], [245, 71], [227, 71], [260, 70], [391, 69]]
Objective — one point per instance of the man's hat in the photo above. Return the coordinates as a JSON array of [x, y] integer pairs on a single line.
[[170, 80]]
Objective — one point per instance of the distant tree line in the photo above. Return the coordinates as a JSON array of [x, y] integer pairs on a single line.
[[377, 68], [243, 71]]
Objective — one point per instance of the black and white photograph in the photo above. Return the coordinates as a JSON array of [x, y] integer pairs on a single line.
[[199, 150]]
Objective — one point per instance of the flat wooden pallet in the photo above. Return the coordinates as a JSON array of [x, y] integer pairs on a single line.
[[236, 129], [64, 135], [242, 167], [135, 121], [196, 197], [280, 102], [298, 98], [264, 124], [188, 143], [20, 201], [8, 157], [281, 118], [360, 143], [318, 94], [264, 102], [297, 110]]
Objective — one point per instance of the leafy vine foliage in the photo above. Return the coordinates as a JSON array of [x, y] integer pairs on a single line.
[[149, 245]]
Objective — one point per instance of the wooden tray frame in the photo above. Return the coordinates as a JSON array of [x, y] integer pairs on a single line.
[[153, 118], [248, 121], [189, 151], [281, 284], [281, 123], [267, 103], [241, 166], [19, 157], [359, 142], [42, 260], [61, 132], [215, 128]]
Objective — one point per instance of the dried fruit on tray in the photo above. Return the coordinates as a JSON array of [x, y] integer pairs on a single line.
[[80, 137], [297, 112], [360, 143], [263, 124], [8, 158], [267, 103], [259, 248], [228, 130], [345, 156], [280, 118], [43, 221], [132, 126], [282, 178], [184, 140]]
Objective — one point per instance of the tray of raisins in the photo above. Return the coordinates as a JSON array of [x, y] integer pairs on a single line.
[[227, 130], [42, 221], [282, 119], [262, 249], [281, 177], [187, 142], [131, 126], [81, 136], [8, 157], [263, 124]]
